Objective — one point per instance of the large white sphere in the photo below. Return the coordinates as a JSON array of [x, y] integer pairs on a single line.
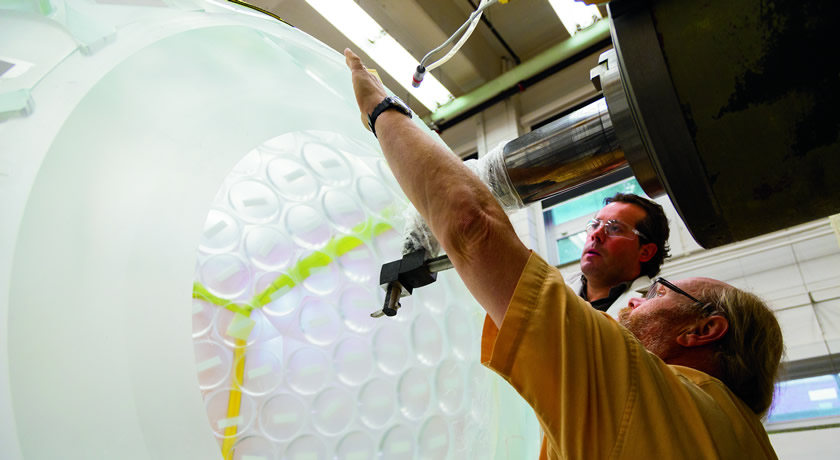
[[193, 221]]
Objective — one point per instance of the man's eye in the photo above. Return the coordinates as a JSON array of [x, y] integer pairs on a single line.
[[660, 291], [614, 228]]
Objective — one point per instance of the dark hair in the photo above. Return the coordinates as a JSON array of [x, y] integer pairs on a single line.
[[654, 226]]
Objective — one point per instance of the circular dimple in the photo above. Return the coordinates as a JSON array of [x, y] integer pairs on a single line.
[[355, 305], [387, 241], [449, 387], [414, 394], [356, 259], [307, 371], [327, 163], [368, 148], [279, 295], [234, 328], [479, 394], [390, 350], [375, 196], [332, 411], [433, 440], [343, 212], [457, 290], [459, 333], [282, 416], [262, 371], [306, 447], [376, 403], [202, 316], [353, 360], [291, 180], [286, 144], [221, 232], [253, 201], [268, 248], [253, 448], [427, 340], [320, 275], [225, 426], [308, 228], [397, 444], [212, 362], [319, 322], [225, 275], [356, 446], [433, 298]]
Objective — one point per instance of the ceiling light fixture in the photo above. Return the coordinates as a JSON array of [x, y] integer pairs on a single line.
[[352, 21], [574, 15]]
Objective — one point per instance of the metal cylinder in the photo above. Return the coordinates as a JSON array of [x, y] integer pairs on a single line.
[[735, 122], [565, 154], [731, 110]]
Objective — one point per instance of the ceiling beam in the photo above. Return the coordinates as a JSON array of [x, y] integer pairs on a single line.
[[581, 41]]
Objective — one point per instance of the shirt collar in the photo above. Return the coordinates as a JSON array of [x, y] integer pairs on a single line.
[[604, 304]]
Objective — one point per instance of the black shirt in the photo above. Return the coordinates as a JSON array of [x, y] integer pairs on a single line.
[[603, 304]]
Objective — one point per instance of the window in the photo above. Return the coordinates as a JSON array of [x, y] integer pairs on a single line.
[[570, 248], [808, 398]]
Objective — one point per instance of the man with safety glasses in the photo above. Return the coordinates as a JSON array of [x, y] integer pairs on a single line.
[[687, 377], [626, 243]]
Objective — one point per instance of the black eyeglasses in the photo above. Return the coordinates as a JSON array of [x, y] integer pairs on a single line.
[[654, 290]]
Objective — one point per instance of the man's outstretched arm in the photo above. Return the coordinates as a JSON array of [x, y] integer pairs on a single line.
[[462, 213]]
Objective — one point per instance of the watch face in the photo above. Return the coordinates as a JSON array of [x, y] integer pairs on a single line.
[[400, 105]]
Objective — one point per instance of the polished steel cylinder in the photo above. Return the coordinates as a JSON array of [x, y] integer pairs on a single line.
[[565, 154]]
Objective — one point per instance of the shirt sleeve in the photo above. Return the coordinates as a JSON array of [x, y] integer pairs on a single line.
[[573, 364]]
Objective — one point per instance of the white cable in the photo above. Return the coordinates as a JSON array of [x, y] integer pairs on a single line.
[[481, 7], [469, 25], [460, 43]]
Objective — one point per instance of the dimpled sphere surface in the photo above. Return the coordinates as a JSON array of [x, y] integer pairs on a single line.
[[289, 363], [296, 236]]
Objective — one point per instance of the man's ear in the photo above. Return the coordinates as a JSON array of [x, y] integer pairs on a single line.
[[705, 331], [646, 252]]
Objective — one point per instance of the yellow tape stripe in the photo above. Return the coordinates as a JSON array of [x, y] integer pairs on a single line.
[[200, 292], [335, 248], [235, 398]]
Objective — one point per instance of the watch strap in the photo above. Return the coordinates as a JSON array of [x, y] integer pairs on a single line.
[[390, 102]]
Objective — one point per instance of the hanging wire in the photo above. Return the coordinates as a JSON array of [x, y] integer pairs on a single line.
[[464, 32]]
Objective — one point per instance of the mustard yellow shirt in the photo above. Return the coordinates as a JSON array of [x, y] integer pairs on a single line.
[[598, 393]]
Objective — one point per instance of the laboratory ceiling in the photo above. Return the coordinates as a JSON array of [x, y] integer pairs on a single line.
[[508, 35]]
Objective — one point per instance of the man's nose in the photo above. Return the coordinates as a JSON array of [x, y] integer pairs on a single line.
[[598, 235], [635, 302]]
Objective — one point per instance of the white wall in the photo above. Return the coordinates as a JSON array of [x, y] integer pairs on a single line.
[[807, 445]]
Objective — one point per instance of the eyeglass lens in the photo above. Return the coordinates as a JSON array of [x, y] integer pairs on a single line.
[[611, 227], [662, 281]]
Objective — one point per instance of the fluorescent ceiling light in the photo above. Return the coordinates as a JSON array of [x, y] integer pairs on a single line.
[[351, 20], [574, 15]]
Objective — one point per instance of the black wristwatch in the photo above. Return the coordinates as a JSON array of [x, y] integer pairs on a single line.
[[390, 102]]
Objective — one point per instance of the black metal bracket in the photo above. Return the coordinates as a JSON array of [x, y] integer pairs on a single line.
[[400, 277]]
